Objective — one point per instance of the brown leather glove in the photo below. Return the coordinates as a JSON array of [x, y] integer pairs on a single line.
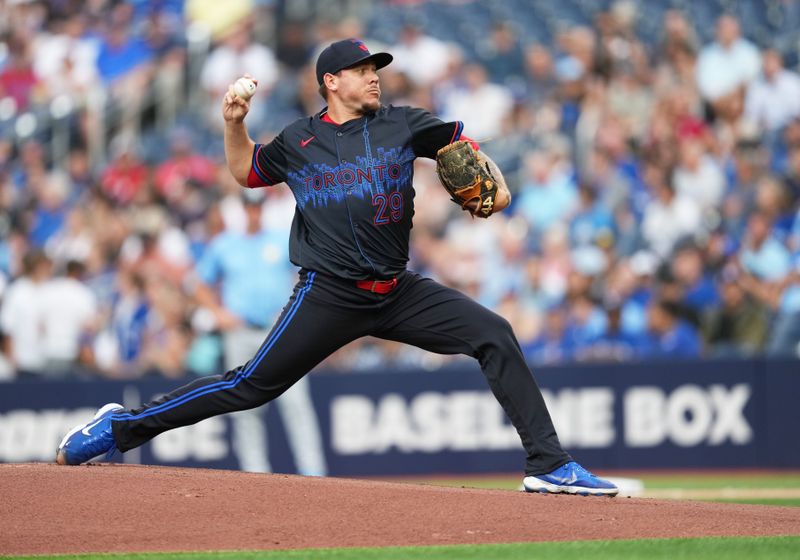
[[469, 176]]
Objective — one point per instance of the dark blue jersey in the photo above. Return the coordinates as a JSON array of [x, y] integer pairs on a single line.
[[353, 186]]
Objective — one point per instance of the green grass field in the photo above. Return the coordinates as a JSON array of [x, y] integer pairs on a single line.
[[740, 548]]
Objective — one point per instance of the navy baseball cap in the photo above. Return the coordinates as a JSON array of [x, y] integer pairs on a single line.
[[346, 53]]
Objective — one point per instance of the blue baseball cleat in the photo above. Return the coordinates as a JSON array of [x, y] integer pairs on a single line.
[[87, 441], [570, 479]]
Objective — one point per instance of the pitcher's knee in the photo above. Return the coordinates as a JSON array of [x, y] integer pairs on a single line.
[[496, 330]]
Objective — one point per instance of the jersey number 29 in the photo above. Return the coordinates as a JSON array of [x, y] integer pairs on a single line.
[[390, 208]]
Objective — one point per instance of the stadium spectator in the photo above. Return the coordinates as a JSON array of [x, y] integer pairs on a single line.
[[614, 344], [592, 222], [698, 176], [785, 335], [551, 346], [669, 217], [163, 35], [762, 254], [72, 318], [237, 54], [126, 174], [293, 49], [631, 102], [739, 326], [156, 247], [118, 347], [167, 336], [421, 57], [573, 65], [47, 219], [586, 322], [184, 169], [472, 252], [501, 55], [495, 101], [23, 316], [64, 58], [18, 81], [673, 337], [678, 34], [126, 65], [632, 283], [548, 194], [81, 176], [540, 75], [747, 165], [72, 242], [554, 265], [726, 67], [774, 99], [123, 59], [772, 198], [677, 68], [694, 281], [612, 169], [619, 50]]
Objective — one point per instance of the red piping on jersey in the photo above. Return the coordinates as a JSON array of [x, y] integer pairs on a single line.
[[259, 166], [325, 117], [254, 180], [257, 172], [457, 132]]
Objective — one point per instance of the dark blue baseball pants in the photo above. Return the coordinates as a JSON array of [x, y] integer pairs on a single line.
[[325, 313]]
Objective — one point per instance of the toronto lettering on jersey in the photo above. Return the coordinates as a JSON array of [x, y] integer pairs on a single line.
[[321, 184], [346, 176]]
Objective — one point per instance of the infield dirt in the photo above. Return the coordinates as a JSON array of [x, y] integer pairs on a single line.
[[47, 509]]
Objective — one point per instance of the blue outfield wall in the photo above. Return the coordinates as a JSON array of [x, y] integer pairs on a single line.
[[646, 415]]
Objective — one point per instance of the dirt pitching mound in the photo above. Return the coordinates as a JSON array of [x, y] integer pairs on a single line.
[[47, 509]]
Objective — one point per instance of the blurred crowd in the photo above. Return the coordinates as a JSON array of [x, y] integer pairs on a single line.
[[656, 180]]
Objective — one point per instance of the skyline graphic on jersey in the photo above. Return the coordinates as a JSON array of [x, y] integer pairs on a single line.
[[319, 184]]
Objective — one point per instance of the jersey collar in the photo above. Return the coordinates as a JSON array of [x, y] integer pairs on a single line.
[[325, 118]]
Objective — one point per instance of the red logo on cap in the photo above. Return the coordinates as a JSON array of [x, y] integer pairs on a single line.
[[360, 44]]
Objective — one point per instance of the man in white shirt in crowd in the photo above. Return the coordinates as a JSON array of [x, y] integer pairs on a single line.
[[669, 217], [421, 57], [774, 99], [725, 68], [22, 316], [71, 319], [237, 53], [495, 102]]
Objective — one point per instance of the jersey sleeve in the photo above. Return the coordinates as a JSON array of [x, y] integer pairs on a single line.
[[429, 134], [268, 165]]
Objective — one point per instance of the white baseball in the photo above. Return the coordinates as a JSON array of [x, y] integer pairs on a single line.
[[244, 88]]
